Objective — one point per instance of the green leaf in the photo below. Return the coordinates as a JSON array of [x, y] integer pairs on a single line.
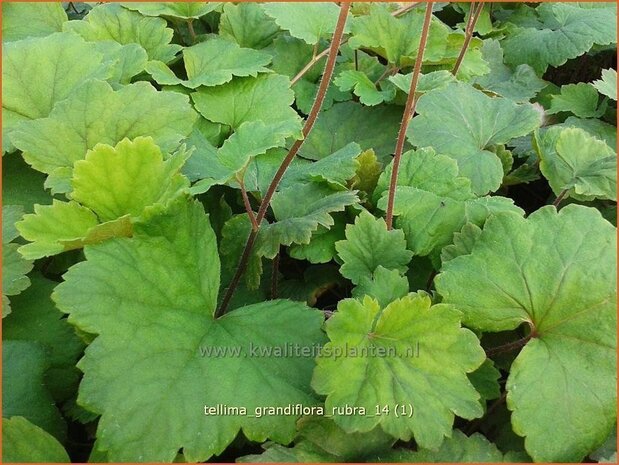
[[113, 22], [486, 381], [572, 160], [14, 271], [463, 242], [11, 214], [370, 127], [234, 237], [608, 84], [426, 82], [459, 448], [321, 248], [24, 442], [35, 318], [248, 25], [126, 61], [98, 114], [363, 88], [105, 181], [23, 393], [580, 99], [55, 228], [296, 221], [220, 166], [106, 198], [396, 39], [314, 283], [432, 202], [369, 245], [520, 84], [26, 19], [383, 285], [31, 67], [164, 282], [336, 169], [321, 440], [433, 381], [534, 270], [183, 10], [212, 63], [307, 21], [595, 127], [367, 173], [559, 32], [21, 185], [266, 98], [463, 122]]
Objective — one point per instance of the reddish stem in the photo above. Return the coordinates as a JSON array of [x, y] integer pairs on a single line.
[[474, 13], [560, 198], [248, 209], [307, 127], [325, 52], [409, 109]]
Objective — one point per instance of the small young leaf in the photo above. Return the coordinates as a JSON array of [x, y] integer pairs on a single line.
[[212, 63], [608, 84], [363, 88], [368, 245], [125, 179], [384, 285], [580, 99], [572, 160]]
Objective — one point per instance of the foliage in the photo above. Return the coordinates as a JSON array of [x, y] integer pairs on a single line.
[[193, 270]]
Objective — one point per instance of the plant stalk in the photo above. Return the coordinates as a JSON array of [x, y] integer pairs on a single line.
[[560, 198], [474, 13], [325, 52], [307, 127], [409, 110]]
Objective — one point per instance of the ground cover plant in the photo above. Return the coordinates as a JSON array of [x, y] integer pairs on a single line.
[[303, 232]]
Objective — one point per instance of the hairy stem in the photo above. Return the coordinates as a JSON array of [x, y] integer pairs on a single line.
[[307, 127], [514, 345], [409, 109], [324, 53], [405, 9], [248, 209], [474, 13], [274, 276], [560, 198], [388, 72], [192, 32]]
